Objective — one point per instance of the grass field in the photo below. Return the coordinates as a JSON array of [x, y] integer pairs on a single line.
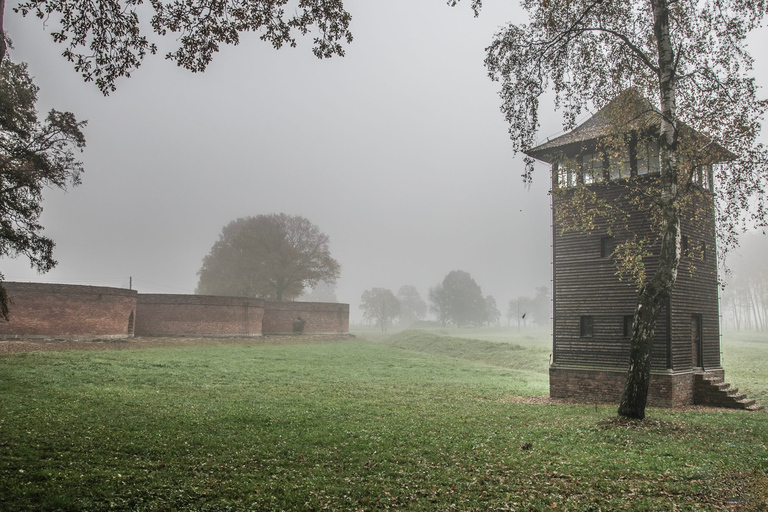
[[431, 420], [745, 359]]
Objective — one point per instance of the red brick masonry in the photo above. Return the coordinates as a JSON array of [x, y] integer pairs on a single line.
[[68, 312], [197, 315], [606, 386], [61, 311], [319, 317]]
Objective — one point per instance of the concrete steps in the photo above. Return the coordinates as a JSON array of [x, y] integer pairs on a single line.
[[712, 391]]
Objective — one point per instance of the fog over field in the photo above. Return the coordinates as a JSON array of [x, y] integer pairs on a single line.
[[398, 152]]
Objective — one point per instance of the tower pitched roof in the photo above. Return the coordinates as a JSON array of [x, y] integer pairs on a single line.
[[629, 111]]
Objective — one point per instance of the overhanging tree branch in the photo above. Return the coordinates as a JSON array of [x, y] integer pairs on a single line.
[[627, 42]]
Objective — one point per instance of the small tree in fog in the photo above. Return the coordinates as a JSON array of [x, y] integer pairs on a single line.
[[541, 307], [380, 306], [492, 313], [519, 309], [269, 257], [412, 306], [458, 300], [511, 311], [537, 309], [438, 304]]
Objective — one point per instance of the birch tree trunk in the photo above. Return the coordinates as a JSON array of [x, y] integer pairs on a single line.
[[655, 294]]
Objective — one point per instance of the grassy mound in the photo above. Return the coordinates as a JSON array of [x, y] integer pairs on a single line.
[[505, 355]]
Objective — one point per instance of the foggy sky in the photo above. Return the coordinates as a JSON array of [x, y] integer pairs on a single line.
[[397, 151]]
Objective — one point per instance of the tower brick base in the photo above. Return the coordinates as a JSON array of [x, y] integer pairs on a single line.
[[667, 389]]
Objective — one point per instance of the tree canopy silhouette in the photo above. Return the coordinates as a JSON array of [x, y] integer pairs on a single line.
[[271, 257], [34, 155], [381, 306], [458, 300]]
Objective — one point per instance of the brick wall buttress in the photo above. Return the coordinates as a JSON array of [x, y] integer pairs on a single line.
[[64, 311]]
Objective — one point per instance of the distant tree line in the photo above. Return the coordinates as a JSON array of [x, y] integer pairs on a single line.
[[456, 301], [744, 301]]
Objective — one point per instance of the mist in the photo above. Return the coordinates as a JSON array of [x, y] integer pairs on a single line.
[[397, 151]]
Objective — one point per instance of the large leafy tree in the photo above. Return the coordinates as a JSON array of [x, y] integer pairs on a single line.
[[380, 306], [690, 58], [34, 155], [268, 256], [458, 300]]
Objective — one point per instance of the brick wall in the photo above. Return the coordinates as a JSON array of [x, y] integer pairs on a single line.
[[198, 315], [606, 386], [63, 311], [319, 317]]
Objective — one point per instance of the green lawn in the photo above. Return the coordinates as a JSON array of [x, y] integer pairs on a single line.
[[745, 359], [397, 422]]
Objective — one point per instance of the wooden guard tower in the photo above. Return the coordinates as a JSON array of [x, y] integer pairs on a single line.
[[592, 307]]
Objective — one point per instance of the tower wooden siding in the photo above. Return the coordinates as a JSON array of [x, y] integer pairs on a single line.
[[696, 291], [586, 284]]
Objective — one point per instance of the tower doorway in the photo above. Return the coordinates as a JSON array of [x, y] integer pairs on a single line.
[[696, 341]]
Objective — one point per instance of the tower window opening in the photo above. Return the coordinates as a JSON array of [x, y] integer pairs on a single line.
[[628, 321], [606, 246], [592, 168], [619, 164], [648, 158]]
